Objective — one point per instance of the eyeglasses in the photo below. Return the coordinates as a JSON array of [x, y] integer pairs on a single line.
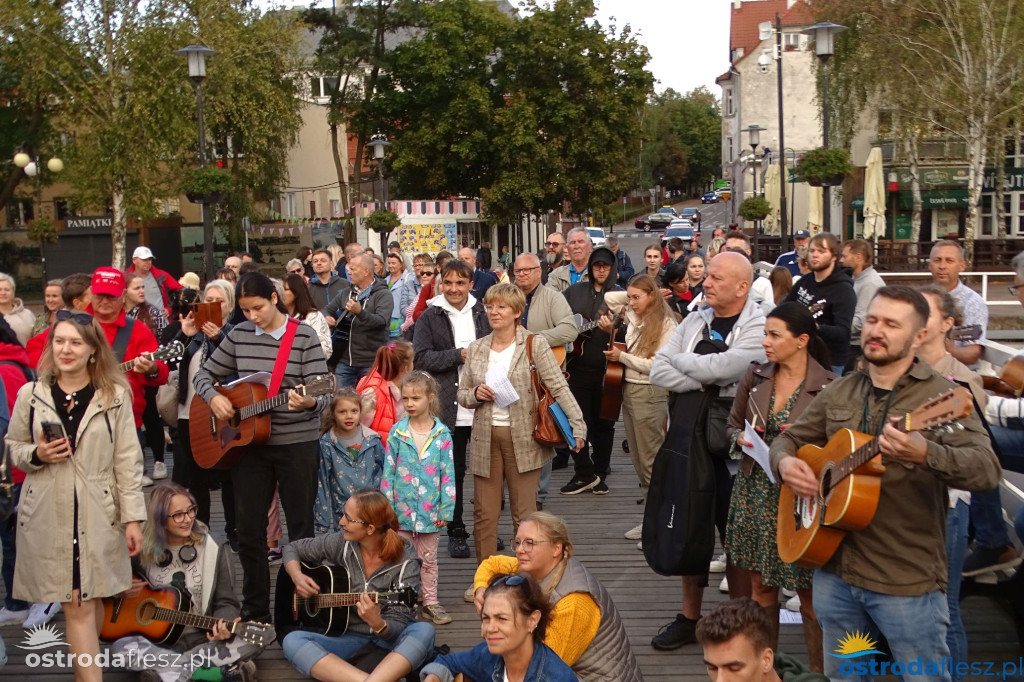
[[1015, 288], [296, 272], [510, 580], [80, 318], [427, 273], [637, 297], [499, 308], [552, 244], [523, 271], [351, 520], [179, 517], [528, 544]]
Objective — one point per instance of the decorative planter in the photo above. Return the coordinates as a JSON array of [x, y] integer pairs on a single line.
[[204, 197], [830, 181]]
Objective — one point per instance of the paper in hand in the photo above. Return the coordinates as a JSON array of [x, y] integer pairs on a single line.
[[758, 450], [504, 393]]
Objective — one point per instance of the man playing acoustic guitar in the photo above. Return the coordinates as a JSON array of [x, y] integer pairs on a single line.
[[893, 572]]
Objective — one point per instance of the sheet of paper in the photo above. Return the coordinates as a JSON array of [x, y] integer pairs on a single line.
[[504, 393], [254, 378], [758, 449], [790, 617]]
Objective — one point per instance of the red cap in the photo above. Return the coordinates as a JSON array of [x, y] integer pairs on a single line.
[[107, 282]]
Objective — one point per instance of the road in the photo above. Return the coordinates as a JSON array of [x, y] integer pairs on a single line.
[[634, 241]]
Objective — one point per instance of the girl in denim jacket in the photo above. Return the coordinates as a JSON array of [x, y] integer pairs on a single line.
[[419, 480]]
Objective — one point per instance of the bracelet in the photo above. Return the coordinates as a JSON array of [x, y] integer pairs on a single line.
[[382, 628]]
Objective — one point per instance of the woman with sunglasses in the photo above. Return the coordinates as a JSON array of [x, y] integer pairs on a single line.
[[377, 559], [177, 550], [81, 505], [431, 288], [585, 630], [514, 619]]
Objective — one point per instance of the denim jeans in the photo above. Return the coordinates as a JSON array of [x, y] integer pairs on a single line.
[[987, 507], [8, 534], [956, 547], [304, 649], [915, 628], [348, 376]]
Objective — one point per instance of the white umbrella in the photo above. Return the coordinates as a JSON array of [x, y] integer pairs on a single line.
[[874, 196], [814, 212], [772, 192]]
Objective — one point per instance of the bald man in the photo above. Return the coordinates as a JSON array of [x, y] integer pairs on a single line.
[[707, 356]]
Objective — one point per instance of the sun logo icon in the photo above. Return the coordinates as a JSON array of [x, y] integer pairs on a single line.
[[855, 645], [42, 637]]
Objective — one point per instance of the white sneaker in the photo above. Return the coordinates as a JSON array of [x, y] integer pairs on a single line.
[[8, 617], [159, 471], [469, 596], [146, 481], [793, 603], [635, 533], [41, 614], [724, 585], [717, 564]]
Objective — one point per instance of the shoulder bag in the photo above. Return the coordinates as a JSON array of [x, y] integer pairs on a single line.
[[547, 431]]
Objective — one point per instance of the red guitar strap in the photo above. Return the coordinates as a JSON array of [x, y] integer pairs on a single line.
[[282, 357]]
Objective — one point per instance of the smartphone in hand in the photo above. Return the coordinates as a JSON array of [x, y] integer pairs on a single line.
[[53, 431]]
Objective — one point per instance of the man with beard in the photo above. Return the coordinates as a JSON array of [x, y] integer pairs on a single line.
[[893, 573], [553, 255], [830, 289], [575, 271]]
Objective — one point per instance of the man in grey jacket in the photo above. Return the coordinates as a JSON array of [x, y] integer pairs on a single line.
[[578, 247], [733, 317], [859, 257], [360, 319]]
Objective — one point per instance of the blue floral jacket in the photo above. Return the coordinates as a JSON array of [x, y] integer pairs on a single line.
[[340, 476], [420, 485]]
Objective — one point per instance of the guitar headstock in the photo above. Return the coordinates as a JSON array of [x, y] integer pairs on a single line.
[[817, 308], [320, 385], [969, 332], [405, 595], [948, 407], [172, 351], [260, 634]]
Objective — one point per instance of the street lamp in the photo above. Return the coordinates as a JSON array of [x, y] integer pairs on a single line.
[[765, 33], [31, 168], [754, 130], [378, 142], [196, 56], [824, 34]]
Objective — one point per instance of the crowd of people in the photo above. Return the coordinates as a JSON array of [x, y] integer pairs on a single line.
[[439, 365]]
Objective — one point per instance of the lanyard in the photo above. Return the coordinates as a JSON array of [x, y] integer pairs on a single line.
[[865, 419]]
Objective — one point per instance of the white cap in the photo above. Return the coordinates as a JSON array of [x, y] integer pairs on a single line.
[[142, 252]]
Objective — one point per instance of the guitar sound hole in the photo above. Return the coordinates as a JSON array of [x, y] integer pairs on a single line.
[[145, 612], [826, 485]]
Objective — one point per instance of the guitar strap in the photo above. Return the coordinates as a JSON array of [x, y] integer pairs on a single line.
[[121, 339], [282, 357]]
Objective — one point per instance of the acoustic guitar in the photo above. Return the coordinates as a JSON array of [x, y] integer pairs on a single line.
[[849, 471], [172, 351], [1010, 382], [161, 615], [327, 612], [615, 374], [217, 443]]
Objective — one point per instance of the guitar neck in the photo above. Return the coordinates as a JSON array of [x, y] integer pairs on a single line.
[[262, 406], [194, 620], [128, 364], [859, 457], [325, 601]]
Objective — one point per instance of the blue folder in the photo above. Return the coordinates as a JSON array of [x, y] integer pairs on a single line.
[[563, 424]]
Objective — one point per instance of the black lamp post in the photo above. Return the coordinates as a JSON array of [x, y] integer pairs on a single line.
[[765, 33], [196, 55], [31, 168], [824, 46], [754, 130], [378, 142]]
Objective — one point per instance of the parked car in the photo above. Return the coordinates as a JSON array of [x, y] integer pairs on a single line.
[[691, 214], [597, 236], [709, 198], [683, 231], [654, 221]]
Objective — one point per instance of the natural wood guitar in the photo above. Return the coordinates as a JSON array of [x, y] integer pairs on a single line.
[[218, 442], [1010, 382], [849, 471], [327, 612], [614, 376], [161, 615]]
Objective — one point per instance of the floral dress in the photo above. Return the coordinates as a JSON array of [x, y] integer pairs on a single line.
[[751, 529]]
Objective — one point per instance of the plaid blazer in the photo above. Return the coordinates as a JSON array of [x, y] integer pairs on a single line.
[[530, 454]]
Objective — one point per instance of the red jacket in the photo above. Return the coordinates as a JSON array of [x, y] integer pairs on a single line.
[[141, 341], [384, 416], [14, 379], [165, 281]]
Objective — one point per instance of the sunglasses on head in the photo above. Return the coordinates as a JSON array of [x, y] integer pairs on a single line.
[[510, 580], [80, 318]]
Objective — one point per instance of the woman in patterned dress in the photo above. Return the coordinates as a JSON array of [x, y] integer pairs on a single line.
[[769, 397]]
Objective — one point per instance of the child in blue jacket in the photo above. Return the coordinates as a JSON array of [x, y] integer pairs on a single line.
[[419, 480]]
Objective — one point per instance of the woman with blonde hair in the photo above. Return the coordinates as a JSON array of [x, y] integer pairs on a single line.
[[502, 447], [82, 505], [715, 246], [52, 302], [14, 311], [649, 326], [585, 630]]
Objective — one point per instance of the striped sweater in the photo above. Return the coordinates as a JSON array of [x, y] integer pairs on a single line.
[[242, 352]]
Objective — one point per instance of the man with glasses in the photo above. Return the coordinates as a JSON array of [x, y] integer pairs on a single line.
[[295, 267], [552, 256], [579, 247], [548, 314], [325, 285], [423, 268], [440, 338]]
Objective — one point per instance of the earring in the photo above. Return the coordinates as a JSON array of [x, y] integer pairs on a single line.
[[92, 359]]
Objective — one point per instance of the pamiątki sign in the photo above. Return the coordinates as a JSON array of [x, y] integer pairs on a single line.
[[96, 224]]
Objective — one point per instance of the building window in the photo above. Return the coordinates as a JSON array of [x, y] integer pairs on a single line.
[[335, 208], [791, 41], [19, 212], [728, 102], [61, 209], [728, 148], [322, 87], [290, 203]]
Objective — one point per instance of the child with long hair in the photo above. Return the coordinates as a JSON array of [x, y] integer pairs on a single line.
[[351, 458], [381, 397], [419, 480], [177, 550]]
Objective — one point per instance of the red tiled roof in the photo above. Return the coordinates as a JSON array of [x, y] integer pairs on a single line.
[[743, 31]]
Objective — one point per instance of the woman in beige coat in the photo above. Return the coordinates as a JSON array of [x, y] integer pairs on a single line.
[[81, 503], [502, 448]]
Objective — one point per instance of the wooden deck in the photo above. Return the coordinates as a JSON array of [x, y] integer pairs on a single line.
[[645, 600]]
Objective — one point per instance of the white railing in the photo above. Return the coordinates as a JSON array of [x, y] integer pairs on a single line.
[[964, 275]]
